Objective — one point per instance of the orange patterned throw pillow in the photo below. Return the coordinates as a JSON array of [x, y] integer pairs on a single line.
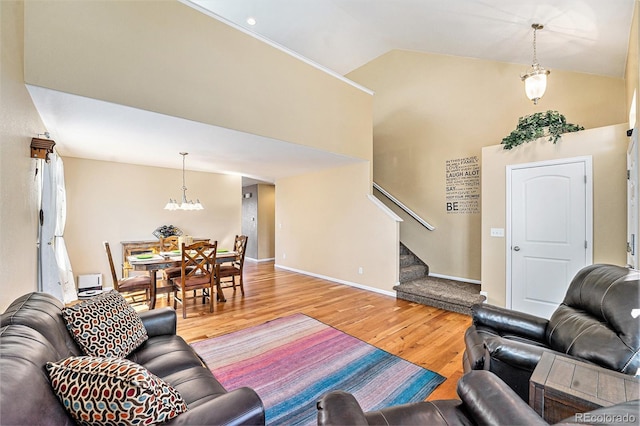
[[99, 391], [105, 325]]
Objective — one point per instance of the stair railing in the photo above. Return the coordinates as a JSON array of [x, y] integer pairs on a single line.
[[406, 209]]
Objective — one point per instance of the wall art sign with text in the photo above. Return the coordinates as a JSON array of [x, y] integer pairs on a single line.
[[462, 185]]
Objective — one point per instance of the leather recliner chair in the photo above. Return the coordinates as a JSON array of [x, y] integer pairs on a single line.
[[594, 323], [484, 400]]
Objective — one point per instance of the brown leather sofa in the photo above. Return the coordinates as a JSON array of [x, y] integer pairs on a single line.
[[484, 400], [593, 324], [33, 333]]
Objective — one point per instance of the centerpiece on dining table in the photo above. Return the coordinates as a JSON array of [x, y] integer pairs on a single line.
[[165, 231]]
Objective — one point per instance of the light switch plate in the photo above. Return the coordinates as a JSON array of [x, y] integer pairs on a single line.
[[497, 232]]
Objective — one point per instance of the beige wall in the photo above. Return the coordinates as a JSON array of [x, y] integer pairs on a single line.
[[607, 146], [19, 189], [428, 109], [166, 57], [432, 108], [122, 202], [632, 72], [266, 221], [326, 225]]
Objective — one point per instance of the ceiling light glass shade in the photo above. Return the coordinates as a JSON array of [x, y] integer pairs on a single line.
[[171, 205], [190, 205], [535, 82], [535, 79]]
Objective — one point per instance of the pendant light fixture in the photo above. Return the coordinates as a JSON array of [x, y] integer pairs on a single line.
[[186, 204], [535, 80]]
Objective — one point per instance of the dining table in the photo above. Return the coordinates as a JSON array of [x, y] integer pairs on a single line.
[[152, 263]]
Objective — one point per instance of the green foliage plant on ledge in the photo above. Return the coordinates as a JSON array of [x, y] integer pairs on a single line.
[[540, 124]]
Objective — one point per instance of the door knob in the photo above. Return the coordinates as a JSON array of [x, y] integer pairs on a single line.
[[516, 248]]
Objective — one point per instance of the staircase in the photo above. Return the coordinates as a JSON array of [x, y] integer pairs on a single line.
[[417, 286]]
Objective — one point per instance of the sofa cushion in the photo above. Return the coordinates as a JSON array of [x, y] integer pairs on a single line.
[[105, 325], [164, 355], [113, 391]]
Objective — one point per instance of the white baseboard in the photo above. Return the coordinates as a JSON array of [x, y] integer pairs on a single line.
[[259, 260], [448, 277], [336, 280]]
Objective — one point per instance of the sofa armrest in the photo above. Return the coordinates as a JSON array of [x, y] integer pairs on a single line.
[[241, 406], [159, 322], [492, 402], [339, 408], [508, 321], [476, 356]]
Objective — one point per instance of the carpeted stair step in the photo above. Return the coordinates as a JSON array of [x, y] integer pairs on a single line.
[[407, 260], [412, 272], [456, 296]]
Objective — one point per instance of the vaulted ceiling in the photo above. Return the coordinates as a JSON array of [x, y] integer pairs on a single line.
[[589, 36]]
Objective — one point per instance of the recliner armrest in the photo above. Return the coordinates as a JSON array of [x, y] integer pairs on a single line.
[[339, 408], [159, 322], [492, 402], [241, 406], [523, 356], [507, 321]]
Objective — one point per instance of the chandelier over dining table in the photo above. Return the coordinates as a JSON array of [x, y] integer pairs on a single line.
[[185, 204]]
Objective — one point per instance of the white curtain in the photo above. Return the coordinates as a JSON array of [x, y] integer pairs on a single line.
[[55, 273]]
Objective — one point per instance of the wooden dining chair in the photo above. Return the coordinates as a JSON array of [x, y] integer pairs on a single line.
[[170, 244], [230, 270], [132, 286], [197, 272]]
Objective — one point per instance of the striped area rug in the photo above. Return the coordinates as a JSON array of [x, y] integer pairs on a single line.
[[292, 361]]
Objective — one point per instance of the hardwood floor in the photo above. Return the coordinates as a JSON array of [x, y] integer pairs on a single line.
[[427, 336]]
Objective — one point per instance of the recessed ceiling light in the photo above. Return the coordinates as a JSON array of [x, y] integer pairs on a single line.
[[251, 20]]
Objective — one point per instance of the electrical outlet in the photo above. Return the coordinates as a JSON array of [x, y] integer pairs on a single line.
[[360, 270], [284, 255]]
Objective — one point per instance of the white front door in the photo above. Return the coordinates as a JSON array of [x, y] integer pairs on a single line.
[[549, 225], [632, 202]]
